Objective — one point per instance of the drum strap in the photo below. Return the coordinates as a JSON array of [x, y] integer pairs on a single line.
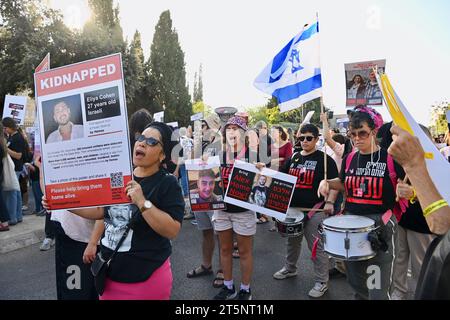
[[386, 216], [313, 211]]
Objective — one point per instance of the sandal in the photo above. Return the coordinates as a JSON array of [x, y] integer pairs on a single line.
[[199, 271], [262, 220], [218, 280], [236, 254]]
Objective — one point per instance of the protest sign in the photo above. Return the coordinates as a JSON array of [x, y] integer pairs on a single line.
[[342, 125], [174, 124], [361, 83], [15, 107], [84, 133], [205, 184], [158, 116], [197, 116], [308, 117], [267, 191]]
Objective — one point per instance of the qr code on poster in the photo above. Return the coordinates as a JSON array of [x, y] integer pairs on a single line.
[[117, 180]]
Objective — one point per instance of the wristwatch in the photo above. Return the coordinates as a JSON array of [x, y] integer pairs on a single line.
[[147, 205]]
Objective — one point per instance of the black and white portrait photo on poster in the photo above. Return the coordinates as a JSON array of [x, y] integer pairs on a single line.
[[265, 191], [205, 184]]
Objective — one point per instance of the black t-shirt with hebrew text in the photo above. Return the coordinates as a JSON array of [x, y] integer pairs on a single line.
[[367, 183], [309, 171]]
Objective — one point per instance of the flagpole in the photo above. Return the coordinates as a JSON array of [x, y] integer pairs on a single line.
[[325, 126]]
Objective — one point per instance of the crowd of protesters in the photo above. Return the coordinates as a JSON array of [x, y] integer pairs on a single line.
[[139, 249]]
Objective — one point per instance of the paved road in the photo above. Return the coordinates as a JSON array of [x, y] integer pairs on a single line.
[[29, 273]]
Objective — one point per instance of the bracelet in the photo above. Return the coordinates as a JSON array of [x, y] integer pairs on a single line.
[[329, 202], [434, 207], [413, 198]]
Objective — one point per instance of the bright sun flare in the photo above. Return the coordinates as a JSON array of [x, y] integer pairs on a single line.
[[76, 12]]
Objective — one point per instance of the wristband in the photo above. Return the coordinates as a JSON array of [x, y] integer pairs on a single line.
[[413, 198], [434, 207], [329, 202]]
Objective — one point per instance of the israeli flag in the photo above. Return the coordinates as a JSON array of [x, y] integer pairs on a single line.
[[293, 76]]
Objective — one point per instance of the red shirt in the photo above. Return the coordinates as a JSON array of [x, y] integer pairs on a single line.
[[284, 152]]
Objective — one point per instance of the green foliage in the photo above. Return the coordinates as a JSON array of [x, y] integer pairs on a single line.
[[167, 80], [198, 86], [200, 106]]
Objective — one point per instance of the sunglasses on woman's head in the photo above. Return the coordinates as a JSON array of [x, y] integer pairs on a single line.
[[308, 138], [149, 141], [360, 134]]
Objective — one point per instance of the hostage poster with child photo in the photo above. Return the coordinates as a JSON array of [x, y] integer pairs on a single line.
[[84, 133], [205, 184], [266, 191]]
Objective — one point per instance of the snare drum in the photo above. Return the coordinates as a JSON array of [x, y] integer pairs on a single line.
[[345, 237], [292, 225]]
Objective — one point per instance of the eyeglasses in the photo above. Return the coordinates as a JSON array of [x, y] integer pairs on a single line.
[[360, 134], [149, 141], [308, 138]]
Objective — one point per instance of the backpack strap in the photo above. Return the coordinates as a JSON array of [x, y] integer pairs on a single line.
[[349, 159]]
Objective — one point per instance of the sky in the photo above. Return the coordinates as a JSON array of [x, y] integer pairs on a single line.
[[235, 39]]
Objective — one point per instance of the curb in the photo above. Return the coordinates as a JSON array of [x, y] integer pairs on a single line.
[[27, 233]]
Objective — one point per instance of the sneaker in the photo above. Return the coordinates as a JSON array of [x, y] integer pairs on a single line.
[[194, 222], [284, 274], [226, 294], [47, 244], [245, 295], [318, 290], [188, 216], [3, 228], [24, 208], [397, 295]]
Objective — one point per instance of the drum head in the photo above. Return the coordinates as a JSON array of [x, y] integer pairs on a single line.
[[296, 214], [348, 222]]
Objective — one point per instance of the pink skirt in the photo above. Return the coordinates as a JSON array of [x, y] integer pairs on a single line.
[[157, 287]]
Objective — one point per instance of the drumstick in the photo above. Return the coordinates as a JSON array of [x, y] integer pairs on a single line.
[[310, 209]]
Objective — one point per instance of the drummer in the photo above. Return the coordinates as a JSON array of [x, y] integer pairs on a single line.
[[365, 178], [308, 167]]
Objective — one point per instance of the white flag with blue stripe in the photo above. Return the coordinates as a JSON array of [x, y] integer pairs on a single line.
[[293, 76]]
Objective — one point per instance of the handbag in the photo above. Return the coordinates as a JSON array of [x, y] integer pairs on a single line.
[[99, 267]]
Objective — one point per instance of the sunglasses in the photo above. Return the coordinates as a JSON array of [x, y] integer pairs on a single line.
[[308, 138], [360, 134], [149, 141]]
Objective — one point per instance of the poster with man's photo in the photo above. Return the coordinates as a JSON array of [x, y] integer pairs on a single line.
[[265, 191], [15, 107], [83, 126], [361, 83], [205, 184]]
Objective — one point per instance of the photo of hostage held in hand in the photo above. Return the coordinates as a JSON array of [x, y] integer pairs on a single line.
[[206, 184]]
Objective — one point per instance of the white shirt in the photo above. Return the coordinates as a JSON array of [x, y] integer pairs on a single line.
[[75, 227], [77, 132]]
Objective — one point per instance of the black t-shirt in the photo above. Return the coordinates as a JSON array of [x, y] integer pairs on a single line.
[[309, 171], [368, 186], [144, 250], [17, 144], [227, 168], [414, 220]]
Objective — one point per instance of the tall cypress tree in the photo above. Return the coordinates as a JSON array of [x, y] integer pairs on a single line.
[[167, 79], [135, 74]]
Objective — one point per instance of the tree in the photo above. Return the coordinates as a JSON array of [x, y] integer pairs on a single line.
[[102, 34], [439, 119], [198, 86], [30, 30], [135, 75], [167, 78]]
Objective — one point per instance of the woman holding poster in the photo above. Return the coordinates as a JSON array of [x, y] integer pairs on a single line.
[[308, 165], [141, 268], [235, 219]]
